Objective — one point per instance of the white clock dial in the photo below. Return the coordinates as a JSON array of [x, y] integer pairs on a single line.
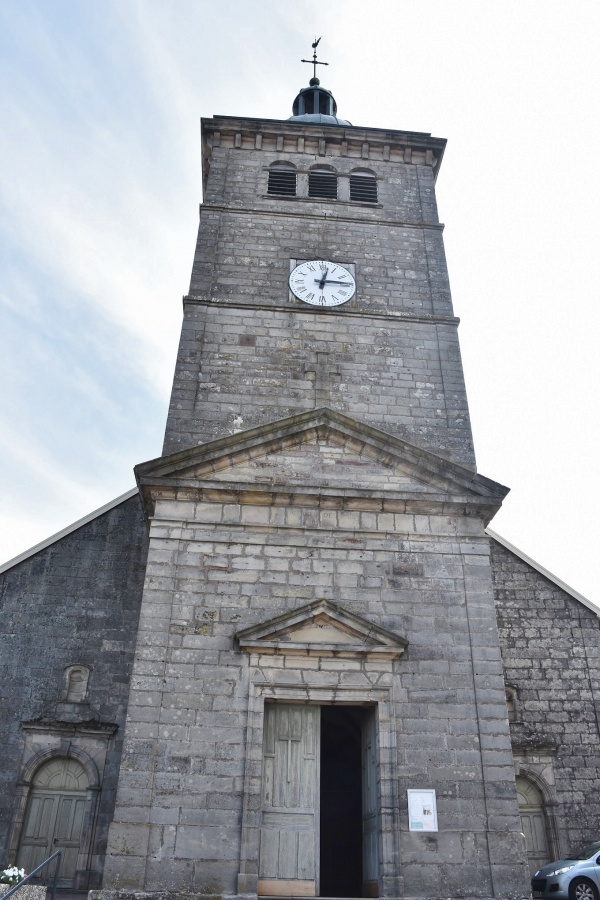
[[322, 283]]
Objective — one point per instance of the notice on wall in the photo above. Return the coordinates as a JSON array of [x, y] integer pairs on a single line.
[[422, 811]]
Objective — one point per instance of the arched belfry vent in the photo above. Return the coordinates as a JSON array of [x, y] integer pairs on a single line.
[[322, 183], [363, 187], [315, 103], [282, 179]]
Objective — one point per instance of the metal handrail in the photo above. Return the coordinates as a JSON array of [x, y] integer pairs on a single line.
[[43, 865]]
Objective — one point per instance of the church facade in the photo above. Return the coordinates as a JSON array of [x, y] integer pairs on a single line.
[[294, 662]]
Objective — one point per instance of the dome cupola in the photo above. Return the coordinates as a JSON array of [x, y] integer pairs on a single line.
[[315, 103]]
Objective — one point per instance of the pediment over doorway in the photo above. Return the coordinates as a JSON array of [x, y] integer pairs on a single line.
[[321, 628]]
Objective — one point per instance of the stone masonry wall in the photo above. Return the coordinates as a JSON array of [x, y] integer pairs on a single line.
[[214, 569], [394, 262], [77, 601], [242, 368], [551, 654]]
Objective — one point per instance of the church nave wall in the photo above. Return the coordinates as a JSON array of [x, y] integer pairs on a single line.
[[72, 605], [551, 655]]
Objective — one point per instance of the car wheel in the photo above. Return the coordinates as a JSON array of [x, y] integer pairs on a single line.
[[582, 889]]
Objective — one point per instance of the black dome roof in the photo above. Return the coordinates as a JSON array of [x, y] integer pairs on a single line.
[[316, 104]]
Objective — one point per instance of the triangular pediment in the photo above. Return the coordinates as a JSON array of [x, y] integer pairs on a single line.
[[320, 459], [321, 451], [321, 628]]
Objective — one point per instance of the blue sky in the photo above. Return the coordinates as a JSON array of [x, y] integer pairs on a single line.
[[99, 200]]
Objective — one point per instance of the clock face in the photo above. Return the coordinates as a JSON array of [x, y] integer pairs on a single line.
[[322, 283]]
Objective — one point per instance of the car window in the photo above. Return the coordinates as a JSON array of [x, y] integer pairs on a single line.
[[588, 851]]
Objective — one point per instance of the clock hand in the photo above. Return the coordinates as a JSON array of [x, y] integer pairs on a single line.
[[323, 279], [330, 281]]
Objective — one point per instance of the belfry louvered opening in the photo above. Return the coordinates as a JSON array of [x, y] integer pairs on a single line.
[[282, 180], [322, 183], [363, 187]]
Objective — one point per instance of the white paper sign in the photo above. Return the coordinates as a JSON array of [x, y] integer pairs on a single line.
[[422, 811]]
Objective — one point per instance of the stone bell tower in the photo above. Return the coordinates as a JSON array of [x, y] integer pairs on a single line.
[[317, 706], [314, 187]]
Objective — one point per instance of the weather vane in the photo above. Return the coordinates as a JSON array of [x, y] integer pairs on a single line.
[[314, 61]]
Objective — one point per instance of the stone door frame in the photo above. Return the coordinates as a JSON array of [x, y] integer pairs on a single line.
[[318, 694], [86, 743], [536, 764], [25, 787]]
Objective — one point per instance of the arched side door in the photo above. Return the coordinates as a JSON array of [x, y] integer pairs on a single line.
[[54, 817], [533, 821]]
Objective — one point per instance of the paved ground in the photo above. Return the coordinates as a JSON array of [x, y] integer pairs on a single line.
[[66, 895]]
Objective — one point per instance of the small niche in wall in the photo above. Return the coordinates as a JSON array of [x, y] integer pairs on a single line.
[[511, 703], [76, 679]]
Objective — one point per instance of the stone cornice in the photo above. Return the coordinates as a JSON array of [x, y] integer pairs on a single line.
[[283, 136], [330, 212], [303, 496], [421, 318], [99, 729], [523, 739], [357, 132], [352, 135]]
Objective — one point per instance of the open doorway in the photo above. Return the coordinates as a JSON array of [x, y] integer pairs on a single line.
[[320, 818], [341, 801]]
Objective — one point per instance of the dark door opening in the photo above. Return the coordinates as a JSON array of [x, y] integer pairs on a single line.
[[341, 801]]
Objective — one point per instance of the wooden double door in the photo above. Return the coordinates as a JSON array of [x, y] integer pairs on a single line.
[[54, 818], [319, 829]]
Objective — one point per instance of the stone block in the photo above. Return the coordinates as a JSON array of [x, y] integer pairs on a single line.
[[128, 839], [203, 842]]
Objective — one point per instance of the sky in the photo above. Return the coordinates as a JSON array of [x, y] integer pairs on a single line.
[[100, 182]]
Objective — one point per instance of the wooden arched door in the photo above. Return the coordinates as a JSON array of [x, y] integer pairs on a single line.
[[54, 817], [534, 824]]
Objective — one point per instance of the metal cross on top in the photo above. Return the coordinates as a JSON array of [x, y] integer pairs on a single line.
[[315, 62]]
